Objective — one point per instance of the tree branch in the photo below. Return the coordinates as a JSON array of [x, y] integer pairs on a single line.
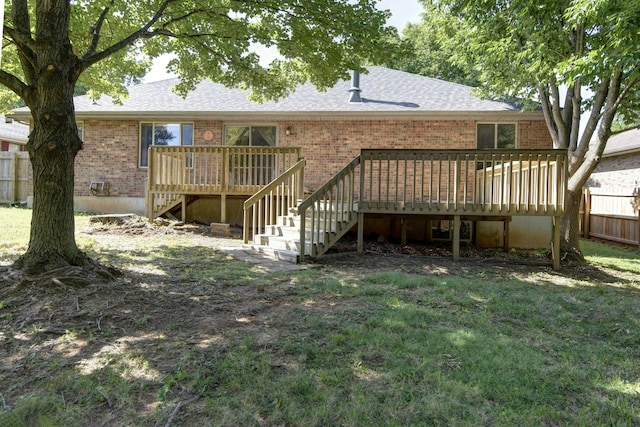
[[561, 125], [20, 38], [592, 123], [624, 93], [96, 31], [576, 104], [548, 116], [25, 44], [567, 110], [594, 151], [16, 85], [90, 59]]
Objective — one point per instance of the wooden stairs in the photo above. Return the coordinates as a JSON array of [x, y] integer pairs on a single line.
[[281, 241]]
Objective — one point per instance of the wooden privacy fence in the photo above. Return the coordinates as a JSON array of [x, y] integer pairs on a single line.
[[14, 176], [611, 214]]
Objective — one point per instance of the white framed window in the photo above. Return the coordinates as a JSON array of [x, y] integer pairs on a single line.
[[250, 136], [159, 133], [490, 136]]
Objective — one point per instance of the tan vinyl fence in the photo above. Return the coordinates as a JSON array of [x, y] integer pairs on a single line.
[[611, 214], [14, 176]]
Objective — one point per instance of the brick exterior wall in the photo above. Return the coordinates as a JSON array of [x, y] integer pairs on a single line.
[[111, 151], [621, 172], [329, 145], [111, 147]]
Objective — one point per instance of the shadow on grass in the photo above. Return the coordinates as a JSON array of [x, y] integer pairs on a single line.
[[193, 336]]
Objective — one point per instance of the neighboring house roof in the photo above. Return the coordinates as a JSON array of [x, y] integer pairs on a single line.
[[14, 132], [625, 142], [384, 92]]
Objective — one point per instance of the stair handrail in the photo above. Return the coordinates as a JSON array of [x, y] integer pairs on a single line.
[[284, 202], [320, 195]]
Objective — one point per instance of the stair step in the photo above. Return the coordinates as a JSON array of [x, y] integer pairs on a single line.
[[278, 242], [291, 232], [294, 222], [277, 254]]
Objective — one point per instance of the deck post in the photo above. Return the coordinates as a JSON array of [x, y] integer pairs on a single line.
[[555, 245], [360, 232], [303, 235], [223, 208], [505, 237], [456, 237], [184, 208]]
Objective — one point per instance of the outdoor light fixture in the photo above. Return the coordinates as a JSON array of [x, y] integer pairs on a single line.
[[287, 131]]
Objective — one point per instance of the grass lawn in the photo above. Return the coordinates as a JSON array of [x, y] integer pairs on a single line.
[[189, 336]]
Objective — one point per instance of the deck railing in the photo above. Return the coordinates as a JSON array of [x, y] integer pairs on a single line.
[[202, 170], [328, 213], [273, 201], [455, 182]]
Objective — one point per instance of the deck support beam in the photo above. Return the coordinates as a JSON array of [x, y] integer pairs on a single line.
[[555, 244], [505, 237], [360, 233], [223, 208], [456, 237]]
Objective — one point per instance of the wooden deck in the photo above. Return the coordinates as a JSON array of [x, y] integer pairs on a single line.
[[457, 182], [177, 172], [440, 184], [445, 184]]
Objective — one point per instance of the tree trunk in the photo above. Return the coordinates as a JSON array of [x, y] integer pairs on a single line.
[[570, 226], [53, 143]]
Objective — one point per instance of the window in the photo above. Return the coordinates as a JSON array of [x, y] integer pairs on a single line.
[[496, 136], [170, 134], [254, 136], [252, 169], [80, 126]]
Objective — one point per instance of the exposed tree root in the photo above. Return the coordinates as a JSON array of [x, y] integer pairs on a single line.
[[570, 254], [53, 272]]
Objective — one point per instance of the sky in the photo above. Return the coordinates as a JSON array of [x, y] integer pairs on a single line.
[[402, 12]]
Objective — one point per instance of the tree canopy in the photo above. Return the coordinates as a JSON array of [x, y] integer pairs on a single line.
[[53, 46], [430, 48], [114, 41], [576, 59]]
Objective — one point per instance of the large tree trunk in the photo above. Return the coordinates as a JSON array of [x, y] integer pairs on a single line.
[[570, 226], [53, 143]]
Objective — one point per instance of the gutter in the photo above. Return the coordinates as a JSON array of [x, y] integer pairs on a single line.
[[303, 115]]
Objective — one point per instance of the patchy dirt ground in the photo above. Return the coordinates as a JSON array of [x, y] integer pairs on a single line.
[[164, 300]]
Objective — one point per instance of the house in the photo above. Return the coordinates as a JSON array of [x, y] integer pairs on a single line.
[[612, 192], [13, 135], [14, 161], [620, 164], [382, 109]]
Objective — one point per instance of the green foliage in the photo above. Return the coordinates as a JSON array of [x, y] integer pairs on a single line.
[[317, 41], [577, 60], [521, 46], [429, 48]]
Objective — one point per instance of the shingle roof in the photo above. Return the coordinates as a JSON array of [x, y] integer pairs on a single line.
[[623, 143], [383, 91], [13, 131]]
